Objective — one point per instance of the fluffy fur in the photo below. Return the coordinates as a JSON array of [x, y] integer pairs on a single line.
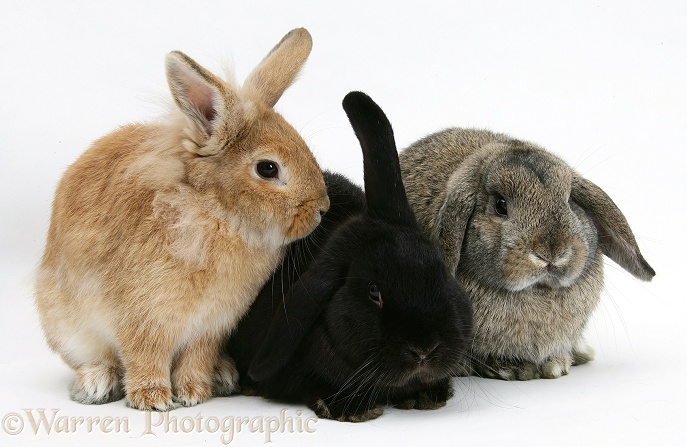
[[162, 235], [524, 234], [362, 312]]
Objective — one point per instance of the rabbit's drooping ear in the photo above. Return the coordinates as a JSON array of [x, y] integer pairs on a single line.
[[268, 81], [293, 318], [452, 220], [384, 191], [616, 239], [203, 98]]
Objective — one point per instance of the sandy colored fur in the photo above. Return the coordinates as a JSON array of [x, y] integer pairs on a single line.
[[129, 276], [162, 235]]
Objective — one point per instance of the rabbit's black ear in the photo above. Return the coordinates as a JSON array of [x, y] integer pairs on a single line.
[[616, 239], [291, 321], [386, 197]]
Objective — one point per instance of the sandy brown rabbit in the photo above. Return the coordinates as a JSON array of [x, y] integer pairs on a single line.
[[525, 235], [162, 235]]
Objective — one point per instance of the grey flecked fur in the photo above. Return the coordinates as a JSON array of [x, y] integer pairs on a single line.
[[534, 276]]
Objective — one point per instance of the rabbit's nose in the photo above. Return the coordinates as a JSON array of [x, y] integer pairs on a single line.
[[323, 204], [422, 355], [552, 262]]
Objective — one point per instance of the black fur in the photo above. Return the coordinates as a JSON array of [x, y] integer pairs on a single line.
[[315, 335]]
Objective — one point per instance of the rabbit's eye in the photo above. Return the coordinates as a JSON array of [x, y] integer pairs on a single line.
[[501, 206], [375, 295], [267, 169]]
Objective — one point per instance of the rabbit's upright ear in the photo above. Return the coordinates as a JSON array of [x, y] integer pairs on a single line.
[[384, 191], [205, 99], [292, 319], [268, 81], [453, 216], [616, 239]]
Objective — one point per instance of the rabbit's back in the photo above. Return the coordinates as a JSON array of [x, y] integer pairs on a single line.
[[96, 206]]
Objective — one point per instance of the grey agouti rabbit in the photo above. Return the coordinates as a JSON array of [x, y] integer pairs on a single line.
[[525, 235]]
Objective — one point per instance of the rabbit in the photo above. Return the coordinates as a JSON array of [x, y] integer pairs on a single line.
[[363, 312], [524, 235], [162, 235]]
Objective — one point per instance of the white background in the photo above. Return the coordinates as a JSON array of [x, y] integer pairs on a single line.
[[601, 84]]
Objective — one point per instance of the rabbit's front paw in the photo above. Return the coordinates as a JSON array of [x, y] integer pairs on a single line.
[[582, 353], [432, 398], [226, 378], [423, 401], [344, 412], [556, 367], [196, 370], [97, 383], [493, 368], [189, 391], [151, 398], [551, 368]]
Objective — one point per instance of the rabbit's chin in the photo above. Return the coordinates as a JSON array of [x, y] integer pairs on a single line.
[[543, 281], [419, 373], [306, 219]]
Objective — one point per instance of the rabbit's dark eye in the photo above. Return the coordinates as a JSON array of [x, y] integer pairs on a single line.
[[267, 169], [501, 206], [375, 295]]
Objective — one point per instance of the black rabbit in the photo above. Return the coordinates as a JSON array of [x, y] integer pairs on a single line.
[[363, 312]]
